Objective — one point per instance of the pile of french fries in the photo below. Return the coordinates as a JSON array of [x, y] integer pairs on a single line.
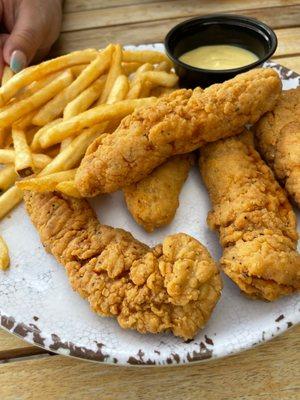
[[50, 113]]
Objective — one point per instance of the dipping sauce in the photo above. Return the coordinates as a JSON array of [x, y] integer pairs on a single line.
[[217, 57]]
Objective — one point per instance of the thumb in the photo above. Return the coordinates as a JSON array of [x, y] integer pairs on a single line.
[[24, 40]]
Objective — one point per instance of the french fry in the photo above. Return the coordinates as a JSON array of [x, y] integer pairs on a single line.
[[4, 255], [46, 183], [68, 188], [37, 72], [55, 106], [35, 145], [160, 78], [28, 91], [30, 133], [135, 90], [144, 68], [41, 161], [52, 151], [119, 90], [65, 143], [7, 156], [163, 66], [145, 56], [146, 80], [7, 74], [129, 68], [71, 156], [3, 136], [85, 99], [104, 112], [114, 71], [77, 69], [146, 88], [138, 83], [31, 89], [8, 177], [9, 200], [25, 121], [24, 165], [8, 141], [159, 91], [17, 110]]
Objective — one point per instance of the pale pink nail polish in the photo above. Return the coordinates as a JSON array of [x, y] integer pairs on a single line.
[[18, 61]]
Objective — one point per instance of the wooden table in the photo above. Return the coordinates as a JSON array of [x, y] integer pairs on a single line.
[[271, 371]]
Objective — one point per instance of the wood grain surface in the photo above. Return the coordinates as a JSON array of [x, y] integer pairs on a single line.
[[11, 347], [268, 372]]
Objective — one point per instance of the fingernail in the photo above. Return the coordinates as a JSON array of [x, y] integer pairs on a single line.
[[18, 61]]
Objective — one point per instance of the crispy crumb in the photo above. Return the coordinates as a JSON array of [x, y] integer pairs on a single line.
[[153, 201], [173, 286], [278, 141], [254, 218], [178, 123]]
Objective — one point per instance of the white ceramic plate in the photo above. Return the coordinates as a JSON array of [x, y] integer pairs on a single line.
[[38, 304]]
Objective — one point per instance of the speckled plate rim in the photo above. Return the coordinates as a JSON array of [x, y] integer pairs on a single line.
[[33, 335], [69, 349]]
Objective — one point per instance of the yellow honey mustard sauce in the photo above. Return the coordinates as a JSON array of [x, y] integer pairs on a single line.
[[222, 56]]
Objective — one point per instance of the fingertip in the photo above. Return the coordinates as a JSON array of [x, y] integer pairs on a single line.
[[7, 51], [18, 61]]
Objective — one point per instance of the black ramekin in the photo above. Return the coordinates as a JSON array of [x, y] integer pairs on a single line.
[[245, 32]]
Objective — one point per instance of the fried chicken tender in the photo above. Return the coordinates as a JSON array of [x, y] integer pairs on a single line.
[[176, 124], [153, 201], [278, 141], [173, 286], [255, 221]]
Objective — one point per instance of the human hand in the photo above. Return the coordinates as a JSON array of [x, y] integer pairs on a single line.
[[30, 28]]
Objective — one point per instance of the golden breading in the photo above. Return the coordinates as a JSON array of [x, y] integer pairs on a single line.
[[278, 140], [255, 221], [176, 124], [153, 201], [173, 286]]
